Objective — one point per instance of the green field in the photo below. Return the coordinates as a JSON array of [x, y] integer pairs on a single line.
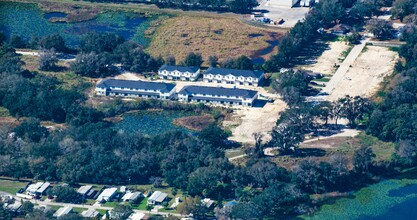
[[11, 186]]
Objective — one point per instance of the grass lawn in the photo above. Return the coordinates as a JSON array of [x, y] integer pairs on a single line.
[[78, 210], [4, 112], [142, 205], [324, 79], [111, 204], [11, 186]]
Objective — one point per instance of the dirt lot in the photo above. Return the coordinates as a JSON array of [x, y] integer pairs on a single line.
[[366, 73], [221, 36], [250, 120], [325, 63]]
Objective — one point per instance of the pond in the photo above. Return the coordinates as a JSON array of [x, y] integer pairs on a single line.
[[390, 199], [152, 122], [27, 20]]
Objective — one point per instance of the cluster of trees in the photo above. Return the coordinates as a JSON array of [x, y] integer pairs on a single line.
[[394, 118], [30, 94], [100, 52], [53, 41], [237, 6]]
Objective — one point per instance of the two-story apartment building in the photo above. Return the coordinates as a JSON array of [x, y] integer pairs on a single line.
[[184, 73], [131, 88], [233, 76], [218, 95]]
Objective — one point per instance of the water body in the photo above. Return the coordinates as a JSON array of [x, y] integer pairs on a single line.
[[257, 57], [54, 15], [152, 122], [390, 199], [27, 20]]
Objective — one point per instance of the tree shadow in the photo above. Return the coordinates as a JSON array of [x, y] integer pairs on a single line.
[[310, 152], [310, 52]]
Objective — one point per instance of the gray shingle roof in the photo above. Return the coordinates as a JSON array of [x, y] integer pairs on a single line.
[[191, 69], [217, 91], [162, 87], [158, 196], [234, 72]]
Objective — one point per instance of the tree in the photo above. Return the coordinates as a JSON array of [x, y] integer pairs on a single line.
[[65, 194], [309, 176], [380, 28], [323, 111], [156, 181], [243, 63], [170, 60], [362, 159], [193, 59], [242, 6], [213, 61], [2, 38], [27, 207], [121, 212], [354, 38], [258, 151], [53, 41], [287, 137], [402, 8], [48, 60], [213, 135], [330, 10], [407, 151], [100, 42], [92, 65], [362, 9], [4, 213], [31, 130], [189, 205], [16, 42], [354, 108]]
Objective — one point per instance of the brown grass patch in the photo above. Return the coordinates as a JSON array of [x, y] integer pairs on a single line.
[[75, 12], [221, 36], [195, 123]]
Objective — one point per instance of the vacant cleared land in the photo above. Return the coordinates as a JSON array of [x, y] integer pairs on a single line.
[[366, 73], [11, 186], [329, 60], [223, 37], [247, 121]]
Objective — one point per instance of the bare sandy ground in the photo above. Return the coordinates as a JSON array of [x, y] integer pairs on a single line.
[[326, 62], [366, 73], [251, 120]]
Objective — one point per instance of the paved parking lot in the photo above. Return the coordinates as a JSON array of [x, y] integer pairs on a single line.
[[276, 11]]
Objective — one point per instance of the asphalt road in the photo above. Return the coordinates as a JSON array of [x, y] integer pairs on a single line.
[[95, 206]]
